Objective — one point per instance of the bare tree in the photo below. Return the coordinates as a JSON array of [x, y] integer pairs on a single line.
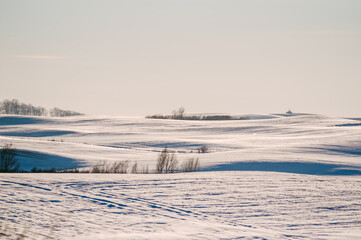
[[178, 114], [15, 107], [167, 162], [8, 161]]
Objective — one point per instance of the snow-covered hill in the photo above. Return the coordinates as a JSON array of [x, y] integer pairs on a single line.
[[300, 143], [270, 177]]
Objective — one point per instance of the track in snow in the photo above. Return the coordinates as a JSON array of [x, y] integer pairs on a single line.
[[187, 206]]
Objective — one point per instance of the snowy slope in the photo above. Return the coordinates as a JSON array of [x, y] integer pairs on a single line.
[[270, 177], [326, 144]]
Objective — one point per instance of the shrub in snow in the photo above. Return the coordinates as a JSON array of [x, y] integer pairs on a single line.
[[145, 170], [8, 161], [119, 167], [135, 167], [166, 162], [116, 167], [203, 149], [191, 165]]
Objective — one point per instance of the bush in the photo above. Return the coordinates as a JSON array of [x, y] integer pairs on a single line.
[[203, 149], [191, 165], [116, 167], [8, 161], [135, 167], [119, 167], [167, 162], [145, 170]]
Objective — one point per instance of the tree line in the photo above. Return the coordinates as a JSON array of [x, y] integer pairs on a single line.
[[15, 107], [180, 115]]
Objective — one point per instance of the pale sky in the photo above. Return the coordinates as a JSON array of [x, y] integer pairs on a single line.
[[143, 57]]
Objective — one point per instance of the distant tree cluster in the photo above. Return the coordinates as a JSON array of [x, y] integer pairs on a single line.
[[56, 112], [176, 114], [17, 108], [179, 115]]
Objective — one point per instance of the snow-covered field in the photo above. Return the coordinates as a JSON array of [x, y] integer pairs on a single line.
[[270, 177], [207, 205]]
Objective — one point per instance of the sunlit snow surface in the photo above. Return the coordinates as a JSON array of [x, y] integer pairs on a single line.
[[270, 177], [87, 140], [212, 205]]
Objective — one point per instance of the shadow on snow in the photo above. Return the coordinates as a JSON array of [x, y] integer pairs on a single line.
[[15, 120], [289, 167], [45, 133], [31, 159]]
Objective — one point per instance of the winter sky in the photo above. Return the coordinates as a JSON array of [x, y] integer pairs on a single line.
[[139, 57]]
